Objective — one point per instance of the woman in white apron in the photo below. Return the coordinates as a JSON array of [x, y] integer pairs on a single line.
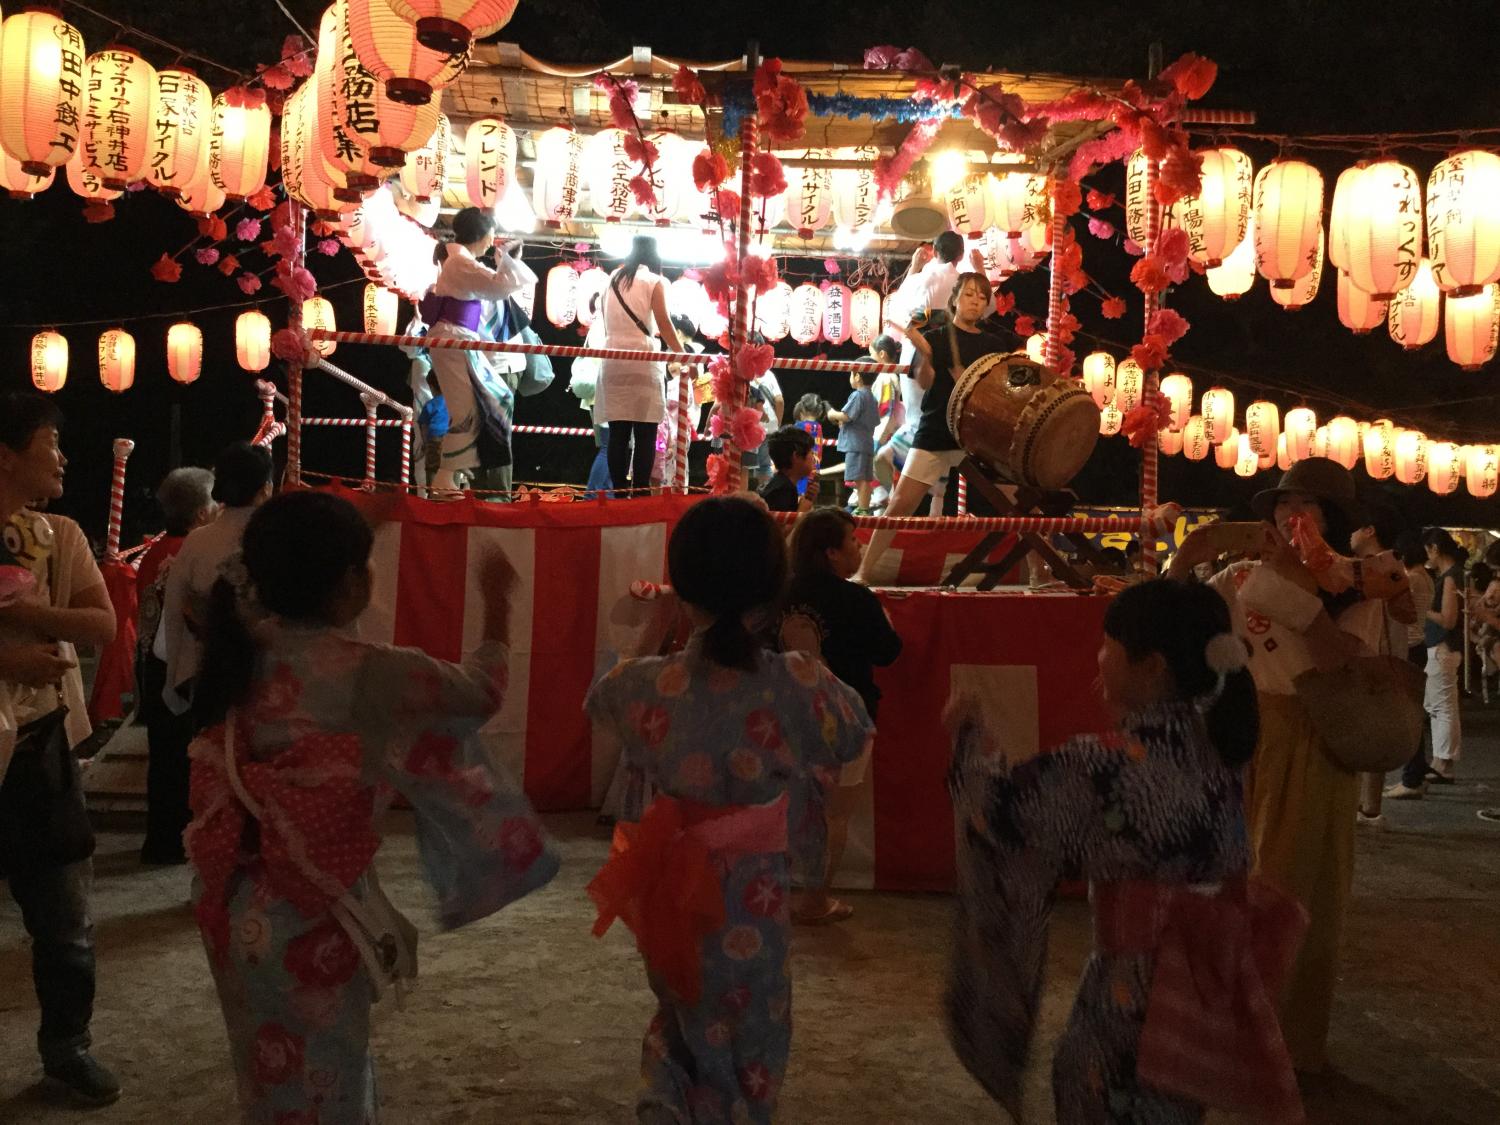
[[630, 398], [454, 309]]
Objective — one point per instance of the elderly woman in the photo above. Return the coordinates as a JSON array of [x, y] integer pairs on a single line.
[[1300, 803]]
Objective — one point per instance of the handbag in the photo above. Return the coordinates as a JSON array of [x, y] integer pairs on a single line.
[[1368, 713], [44, 822], [538, 374]]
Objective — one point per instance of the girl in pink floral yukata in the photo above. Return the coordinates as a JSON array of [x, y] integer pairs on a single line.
[[311, 734], [727, 733]]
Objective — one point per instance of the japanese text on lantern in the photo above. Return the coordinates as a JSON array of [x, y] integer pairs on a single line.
[[488, 155], [1409, 248], [70, 86], [358, 90], [168, 122]]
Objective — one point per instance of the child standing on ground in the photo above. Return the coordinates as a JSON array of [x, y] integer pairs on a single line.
[[1153, 815], [725, 730], [856, 423], [828, 616]]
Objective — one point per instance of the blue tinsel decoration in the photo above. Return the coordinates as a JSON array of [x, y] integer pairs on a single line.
[[904, 110]]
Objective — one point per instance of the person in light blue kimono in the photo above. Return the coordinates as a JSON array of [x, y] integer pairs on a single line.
[[309, 734], [725, 731]]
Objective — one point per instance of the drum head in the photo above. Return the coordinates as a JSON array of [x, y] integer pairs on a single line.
[[1018, 371], [1056, 436]]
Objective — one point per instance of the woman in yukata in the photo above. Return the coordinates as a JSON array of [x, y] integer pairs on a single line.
[[310, 733], [725, 731], [1176, 1009]]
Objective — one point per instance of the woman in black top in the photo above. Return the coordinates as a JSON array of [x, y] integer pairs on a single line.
[[942, 356], [1444, 639], [846, 625]]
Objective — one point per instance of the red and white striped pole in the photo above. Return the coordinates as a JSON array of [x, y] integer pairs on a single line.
[[298, 218], [124, 447], [1054, 344], [739, 328], [406, 450], [370, 431], [963, 494], [1149, 462], [683, 429]]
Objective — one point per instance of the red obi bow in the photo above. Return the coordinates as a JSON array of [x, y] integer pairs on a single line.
[[661, 881], [1211, 1031]]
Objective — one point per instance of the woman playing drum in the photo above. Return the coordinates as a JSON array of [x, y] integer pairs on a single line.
[[942, 355]]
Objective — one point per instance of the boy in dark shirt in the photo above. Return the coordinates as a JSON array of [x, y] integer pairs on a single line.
[[792, 454]]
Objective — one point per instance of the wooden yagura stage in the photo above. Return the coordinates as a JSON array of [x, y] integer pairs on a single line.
[[1030, 658]]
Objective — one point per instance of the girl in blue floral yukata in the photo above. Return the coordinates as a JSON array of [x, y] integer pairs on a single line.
[[727, 733], [1176, 1009], [310, 733]]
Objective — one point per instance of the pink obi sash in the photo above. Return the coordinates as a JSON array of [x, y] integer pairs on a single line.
[[1211, 1032], [313, 813], [661, 881]]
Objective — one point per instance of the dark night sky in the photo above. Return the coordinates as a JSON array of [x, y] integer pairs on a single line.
[[1304, 66]]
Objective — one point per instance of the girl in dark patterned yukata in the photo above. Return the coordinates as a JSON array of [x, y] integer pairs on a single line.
[[1176, 1009]]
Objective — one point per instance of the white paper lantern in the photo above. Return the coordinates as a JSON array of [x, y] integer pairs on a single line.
[[87, 183], [1247, 460], [686, 298], [1343, 441], [239, 147], [119, 87], [381, 308], [1358, 311], [671, 178], [1463, 221], [252, 340], [1177, 389], [349, 167], [184, 352], [317, 312], [1283, 453], [1014, 200], [117, 360], [1412, 319], [489, 161], [1411, 456], [201, 199], [1195, 443], [19, 184], [558, 181], [1288, 218], [1482, 470], [41, 98], [425, 172], [1262, 426], [773, 312], [1338, 215], [836, 307], [1472, 328], [966, 198], [1099, 377], [1036, 347], [1443, 469], [1301, 428], [1233, 279], [562, 295], [809, 196], [49, 361], [1380, 449], [1217, 217], [856, 193], [1218, 414], [864, 316], [1381, 228], [1305, 288], [180, 132], [609, 171], [806, 313], [1169, 442], [592, 283], [1130, 384], [1111, 418], [1227, 453]]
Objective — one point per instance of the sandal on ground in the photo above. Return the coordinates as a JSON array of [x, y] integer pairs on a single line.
[[1491, 815], [837, 912], [1433, 777]]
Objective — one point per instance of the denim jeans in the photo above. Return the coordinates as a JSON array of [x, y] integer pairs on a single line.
[[599, 481], [54, 904]]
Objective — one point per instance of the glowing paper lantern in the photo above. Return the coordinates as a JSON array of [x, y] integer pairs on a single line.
[[490, 162], [239, 148], [809, 196], [1099, 377], [1283, 454], [87, 183], [1217, 217], [1301, 427], [41, 98], [1036, 347], [252, 340], [180, 131], [806, 313], [317, 312], [1111, 418], [49, 361], [1169, 442], [1176, 389], [1412, 319], [1014, 200], [1320, 442], [117, 360], [555, 188], [1227, 453], [1380, 449], [562, 296], [1358, 311], [1443, 469], [1233, 279], [385, 128], [1138, 201], [864, 316], [1338, 215], [388, 48], [1247, 461], [349, 167], [451, 25], [1463, 221], [591, 286], [686, 298], [1130, 384], [1288, 217], [19, 184], [856, 194], [773, 312], [1382, 228], [1305, 288], [381, 309], [609, 172], [1472, 327], [1195, 443], [1482, 470], [1266, 460], [1411, 456], [1218, 414], [1343, 441], [184, 352], [1262, 426], [966, 198], [118, 89], [425, 171], [201, 199], [836, 302]]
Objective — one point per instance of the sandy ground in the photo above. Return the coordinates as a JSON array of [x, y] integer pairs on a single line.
[[527, 1018]]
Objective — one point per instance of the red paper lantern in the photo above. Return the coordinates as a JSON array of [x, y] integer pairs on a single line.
[[389, 49], [451, 25]]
